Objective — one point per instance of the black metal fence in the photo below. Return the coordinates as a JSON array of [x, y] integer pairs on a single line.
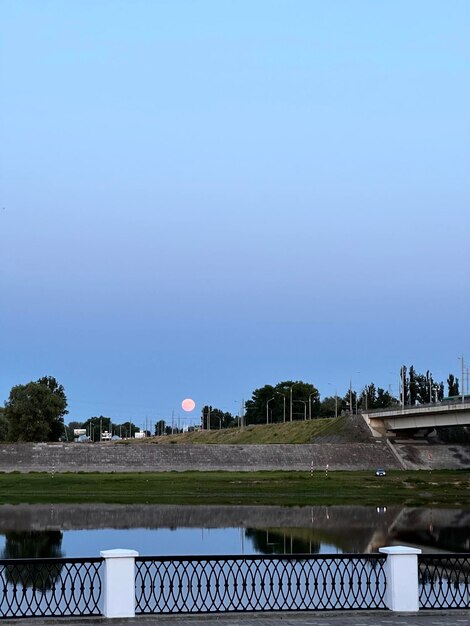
[[444, 581], [259, 583], [214, 584], [50, 587]]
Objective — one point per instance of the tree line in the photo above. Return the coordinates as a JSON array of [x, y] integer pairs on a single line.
[[35, 411]]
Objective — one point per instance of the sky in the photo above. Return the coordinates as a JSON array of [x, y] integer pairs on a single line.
[[198, 198]]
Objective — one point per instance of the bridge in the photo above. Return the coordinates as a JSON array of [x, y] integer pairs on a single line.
[[412, 418]]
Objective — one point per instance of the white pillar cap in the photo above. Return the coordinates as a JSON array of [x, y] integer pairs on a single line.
[[118, 553], [400, 550]]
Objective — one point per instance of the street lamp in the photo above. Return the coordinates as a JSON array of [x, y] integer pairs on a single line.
[[267, 409], [291, 387], [366, 394], [240, 412], [310, 404], [305, 408], [351, 408], [284, 402], [463, 378]]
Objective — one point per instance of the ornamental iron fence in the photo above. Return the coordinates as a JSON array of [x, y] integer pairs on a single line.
[[259, 583], [50, 587], [443, 581], [122, 584]]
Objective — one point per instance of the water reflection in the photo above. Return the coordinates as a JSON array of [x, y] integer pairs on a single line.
[[282, 541], [37, 544], [80, 530]]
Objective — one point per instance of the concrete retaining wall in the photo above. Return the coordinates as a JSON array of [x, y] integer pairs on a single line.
[[108, 457]]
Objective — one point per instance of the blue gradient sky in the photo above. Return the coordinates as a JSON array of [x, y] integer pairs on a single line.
[[202, 197]]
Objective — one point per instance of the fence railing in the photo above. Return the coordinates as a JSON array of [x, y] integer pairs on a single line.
[[259, 583], [123, 584], [50, 587], [444, 581]]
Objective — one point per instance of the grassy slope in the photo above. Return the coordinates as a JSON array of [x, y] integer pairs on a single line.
[[284, 488], [291, 432]]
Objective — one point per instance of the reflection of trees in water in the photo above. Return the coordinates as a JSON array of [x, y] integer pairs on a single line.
[[33, 544], [281, 541], [445, 538]]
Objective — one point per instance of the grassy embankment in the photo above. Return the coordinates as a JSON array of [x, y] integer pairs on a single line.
[[445, 488], [292, 432]]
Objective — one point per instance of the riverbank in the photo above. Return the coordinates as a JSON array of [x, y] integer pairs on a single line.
[[439, 488]]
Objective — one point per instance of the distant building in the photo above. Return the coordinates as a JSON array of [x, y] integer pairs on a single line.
[[140, 434]]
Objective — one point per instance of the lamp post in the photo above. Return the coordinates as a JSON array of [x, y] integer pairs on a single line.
[[305, 408], [351, 409], [290, 407], [240, 412], [267, 409], [284, 402], [310, 404], [463, 378]]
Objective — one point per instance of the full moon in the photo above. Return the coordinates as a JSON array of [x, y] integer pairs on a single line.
[[188, 404]]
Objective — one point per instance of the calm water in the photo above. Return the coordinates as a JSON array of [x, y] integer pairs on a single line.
[[82, 530]]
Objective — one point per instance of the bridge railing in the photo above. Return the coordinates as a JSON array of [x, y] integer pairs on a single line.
[[445, 404], [122, 584]]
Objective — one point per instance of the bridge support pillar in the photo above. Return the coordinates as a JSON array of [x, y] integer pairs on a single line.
[[401, 571], [119, 583]]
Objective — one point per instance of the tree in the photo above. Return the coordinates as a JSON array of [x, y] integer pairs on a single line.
[[35, 411], [215, 419], [373, 398], [412, 386], [3, 425], [349, 402], [452, 386], [384, 399], [421, 388], [330, 406], [125, 430], [160, 428], [95, 425], [272, 404]]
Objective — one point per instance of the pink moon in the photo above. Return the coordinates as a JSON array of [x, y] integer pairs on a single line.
[[188, 404]]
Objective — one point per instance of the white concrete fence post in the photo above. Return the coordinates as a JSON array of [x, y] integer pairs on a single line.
[[401, 572], [119, 582]]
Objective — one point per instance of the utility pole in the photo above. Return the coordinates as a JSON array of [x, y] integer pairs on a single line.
[[463, 378]]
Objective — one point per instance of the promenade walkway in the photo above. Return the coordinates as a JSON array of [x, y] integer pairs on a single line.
[[346, 618]]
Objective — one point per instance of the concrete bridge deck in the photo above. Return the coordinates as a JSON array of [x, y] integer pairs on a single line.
[[416, 417]]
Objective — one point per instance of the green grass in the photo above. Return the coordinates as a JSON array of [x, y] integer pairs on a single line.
[[291, 432], [439, 488]]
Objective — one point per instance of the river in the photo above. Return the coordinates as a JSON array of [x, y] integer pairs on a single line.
[[84, 530]]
